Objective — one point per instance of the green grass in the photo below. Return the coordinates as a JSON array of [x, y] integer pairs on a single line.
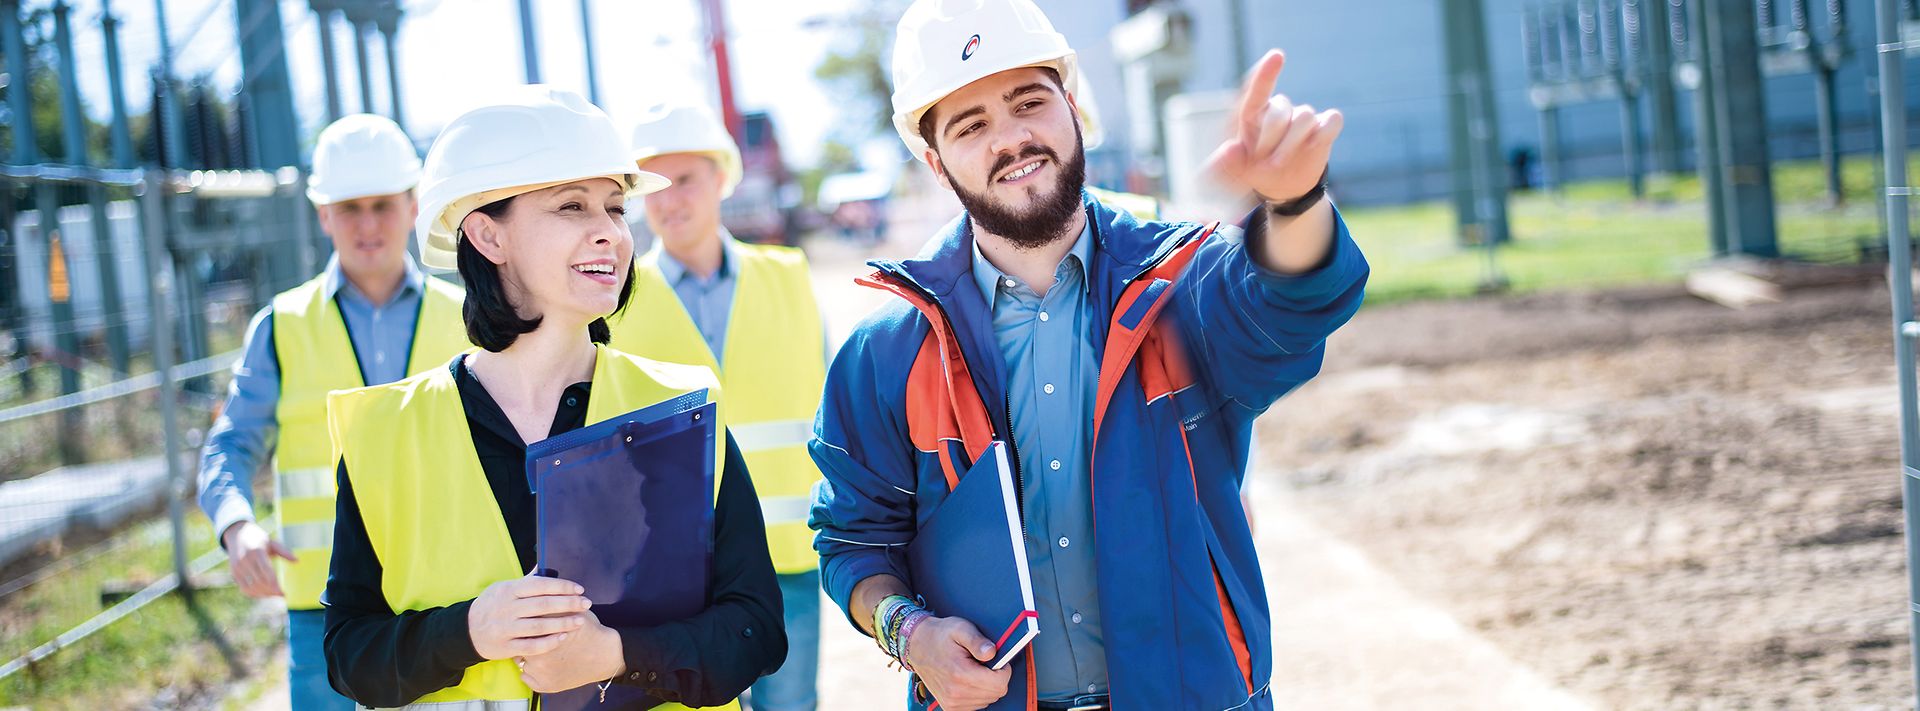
[[1594, 235], [160, 655]]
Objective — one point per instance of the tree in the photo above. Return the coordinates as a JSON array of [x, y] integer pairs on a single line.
[[859, 74]]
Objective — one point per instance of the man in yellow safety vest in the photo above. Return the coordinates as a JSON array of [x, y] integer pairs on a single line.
[[370, 317], [748, 312]]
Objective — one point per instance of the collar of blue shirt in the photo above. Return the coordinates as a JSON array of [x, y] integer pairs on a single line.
[[674, 271], [991, 279], [333, 280]]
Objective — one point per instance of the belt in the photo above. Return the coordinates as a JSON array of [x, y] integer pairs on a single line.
[[1084, 702]]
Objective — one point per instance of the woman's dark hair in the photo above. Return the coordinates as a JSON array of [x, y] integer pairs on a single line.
[[492, 323]]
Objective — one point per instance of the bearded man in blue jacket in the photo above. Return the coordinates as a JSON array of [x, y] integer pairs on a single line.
[[1124, 361]]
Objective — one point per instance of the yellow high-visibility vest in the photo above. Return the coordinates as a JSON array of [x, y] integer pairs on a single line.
[[428, 509], [316, 357], [1143, 207], [772, 370]]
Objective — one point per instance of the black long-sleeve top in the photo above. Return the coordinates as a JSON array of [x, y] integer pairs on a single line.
[[382, 659]]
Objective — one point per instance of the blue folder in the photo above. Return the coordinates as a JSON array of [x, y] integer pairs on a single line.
[[624, 507], [970, 559]]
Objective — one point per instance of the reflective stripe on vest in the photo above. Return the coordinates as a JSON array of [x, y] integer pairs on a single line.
[[316, 357], [778, 510], [429, 512], [316, 482], [760, 436], [313, 536], [772, 377]]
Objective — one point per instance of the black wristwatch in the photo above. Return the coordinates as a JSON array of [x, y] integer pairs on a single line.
[[1300, 205]]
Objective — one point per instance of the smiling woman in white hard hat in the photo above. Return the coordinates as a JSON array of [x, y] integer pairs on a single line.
[[428, 602], [1122, 360], [370, 317]]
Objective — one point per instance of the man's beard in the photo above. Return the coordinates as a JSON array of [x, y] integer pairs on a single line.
[[1043, 222]]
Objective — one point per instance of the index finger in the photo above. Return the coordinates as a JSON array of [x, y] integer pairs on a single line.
[[535, 586], [1258, 90]]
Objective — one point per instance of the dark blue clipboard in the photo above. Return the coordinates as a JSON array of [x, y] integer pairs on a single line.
[[624, 507]]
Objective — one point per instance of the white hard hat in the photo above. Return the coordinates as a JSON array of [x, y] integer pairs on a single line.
[[535, 137], [687, 127], [362, 155], [943, 45]]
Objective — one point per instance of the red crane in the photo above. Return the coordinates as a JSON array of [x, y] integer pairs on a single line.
[[722, 65]]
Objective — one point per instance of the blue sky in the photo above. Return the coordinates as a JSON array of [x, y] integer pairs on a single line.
[[454, 52]]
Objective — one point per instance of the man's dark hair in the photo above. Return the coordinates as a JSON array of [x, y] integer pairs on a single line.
[[492, 323], [926, 119]]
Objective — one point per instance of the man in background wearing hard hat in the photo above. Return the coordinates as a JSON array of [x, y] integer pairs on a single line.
[[370, 317], [1123, 361], [748, 312]]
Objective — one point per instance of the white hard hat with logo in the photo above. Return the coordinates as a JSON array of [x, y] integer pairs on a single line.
[[362, 155], [688, 127], [535, 137], [941, 46]]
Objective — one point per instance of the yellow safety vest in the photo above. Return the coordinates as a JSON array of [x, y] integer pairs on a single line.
[[428, 509], [773, 373], [316, 357], [1143, 207]]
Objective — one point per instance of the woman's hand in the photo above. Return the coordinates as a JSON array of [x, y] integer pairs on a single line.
[[524, 617], [590, 656]]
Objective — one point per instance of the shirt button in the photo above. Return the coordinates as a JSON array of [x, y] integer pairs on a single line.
[[633, 676], [1044, 317], [748, 632], [380, 356], [1063, 541], [1076, 618], [655, 676], [1055, 465], [1048, 388], [1011, 283], [1089, 688], [571, 402]]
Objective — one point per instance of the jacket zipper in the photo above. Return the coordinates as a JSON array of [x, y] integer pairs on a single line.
[[1013, 450]]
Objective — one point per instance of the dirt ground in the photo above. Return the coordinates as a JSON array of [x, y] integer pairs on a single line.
[[1650, 501]]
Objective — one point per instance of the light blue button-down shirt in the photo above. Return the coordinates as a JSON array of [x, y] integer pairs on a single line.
[[245, 433], [709, 300], [1047, 343]]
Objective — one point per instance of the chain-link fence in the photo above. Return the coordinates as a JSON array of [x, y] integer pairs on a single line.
[[124, 300]]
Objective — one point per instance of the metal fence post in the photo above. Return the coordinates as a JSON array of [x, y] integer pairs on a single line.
[[154, 236], [1893, 128]]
